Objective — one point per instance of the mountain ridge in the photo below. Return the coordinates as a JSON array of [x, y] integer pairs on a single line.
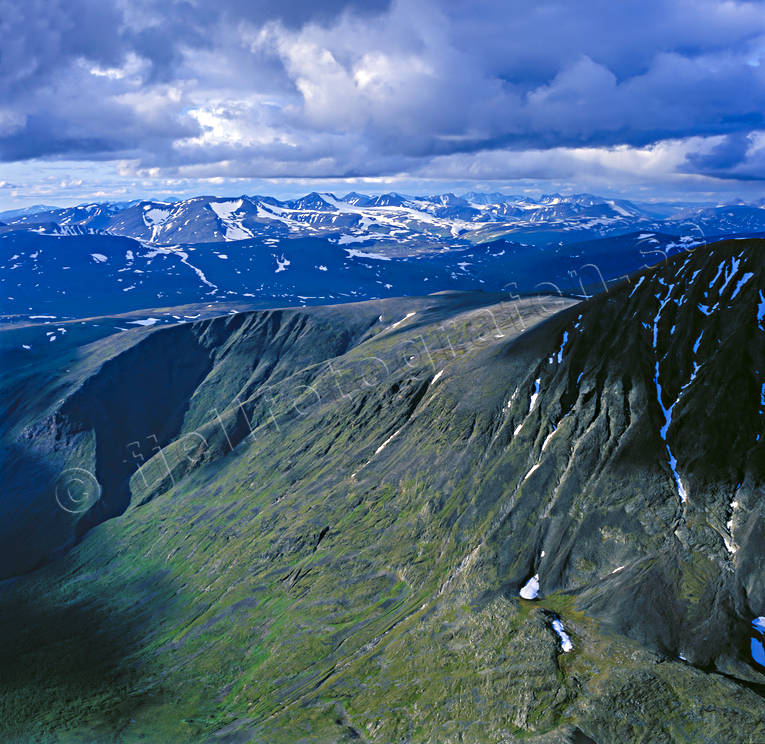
[[388, 220]]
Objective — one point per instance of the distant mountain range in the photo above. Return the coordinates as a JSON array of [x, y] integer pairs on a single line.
[[397, 224], [102, 258]]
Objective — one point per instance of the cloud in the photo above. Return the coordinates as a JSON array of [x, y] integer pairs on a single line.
[[341, 89], [738, 157]]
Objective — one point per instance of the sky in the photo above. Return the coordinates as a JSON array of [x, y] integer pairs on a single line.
[[122, 99]]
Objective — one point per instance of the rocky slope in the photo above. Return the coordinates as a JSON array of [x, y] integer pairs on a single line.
[[459, 518]]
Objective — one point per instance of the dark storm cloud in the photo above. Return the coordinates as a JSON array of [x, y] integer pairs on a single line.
[[739, 156], [730, 152], [295, 14], [341, 88], [39, 37]]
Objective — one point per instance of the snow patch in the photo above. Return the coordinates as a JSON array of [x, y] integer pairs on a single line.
[[226, 209], [664, 429], [353, 253], [757, 648], [717, 275], [548, 438], [530, 589], [154, 218], [144, 322], [533, 469], [741, 282], [535, 394], [387, 442], [565, 639], [232, 227], [563, 344], [662, 305], [728, 276], [405, 318]]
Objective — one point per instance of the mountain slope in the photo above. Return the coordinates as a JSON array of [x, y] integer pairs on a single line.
[[330, 541], [123, 397]]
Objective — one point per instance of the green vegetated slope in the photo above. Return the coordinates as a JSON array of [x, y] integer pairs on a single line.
[[336, 508]]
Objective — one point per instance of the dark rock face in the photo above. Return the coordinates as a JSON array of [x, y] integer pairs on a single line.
[[656, 476]]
